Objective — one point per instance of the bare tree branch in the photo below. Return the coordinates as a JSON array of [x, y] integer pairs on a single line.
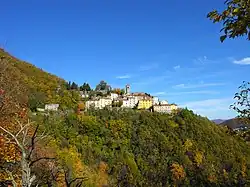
[[78, 178], [24, 136], [15, 138], [33, 142], [42, 136], [22, 129], [32, 179], [26, 162]]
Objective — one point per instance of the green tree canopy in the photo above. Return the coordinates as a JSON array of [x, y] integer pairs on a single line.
[[74, 86], [36, 100], [85, 87], [235, 19], [103, 86]]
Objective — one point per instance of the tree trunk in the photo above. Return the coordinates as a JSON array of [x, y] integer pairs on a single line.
[[27, 179]]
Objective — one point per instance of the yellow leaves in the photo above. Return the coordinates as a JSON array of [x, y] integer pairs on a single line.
[[198, 158], [243, 168], [103, 176], [71, 158], [236, 10], [173, 124], [188, 144], [116, 125], [178, 172]]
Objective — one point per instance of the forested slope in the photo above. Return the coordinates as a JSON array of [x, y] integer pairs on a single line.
[[151, 149], [23, 81], [108, 147]]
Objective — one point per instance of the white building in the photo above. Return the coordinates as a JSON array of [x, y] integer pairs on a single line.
[[92, 103], [99, 103], [163, 102], [105, 102], [51, 107], [165, 108], [156, 101], [130, 102], [114, 96]]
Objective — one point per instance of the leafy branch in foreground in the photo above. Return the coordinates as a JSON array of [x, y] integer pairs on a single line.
[[242, 103], [235, 19]]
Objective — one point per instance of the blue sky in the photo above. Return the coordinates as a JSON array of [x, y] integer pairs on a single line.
[[166, 48]]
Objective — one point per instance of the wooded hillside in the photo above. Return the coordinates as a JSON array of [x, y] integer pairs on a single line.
[[27, 84], [151, 149], [107, 147]]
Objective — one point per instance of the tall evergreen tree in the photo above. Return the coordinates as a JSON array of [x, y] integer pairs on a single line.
[[85, 87], [74, 86]]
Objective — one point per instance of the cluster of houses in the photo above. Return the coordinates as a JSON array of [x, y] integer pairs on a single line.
[[137, 100]]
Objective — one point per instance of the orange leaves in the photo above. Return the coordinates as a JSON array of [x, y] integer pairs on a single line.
[[81, 106], [212, 178], [103, 176], [103, 166], [118, 91], [9, 153], [178, 172]]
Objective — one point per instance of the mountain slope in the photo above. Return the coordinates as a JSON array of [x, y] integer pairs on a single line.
[[218, 121], [126, 147], [152, 149], [20, 80], [235, 123]]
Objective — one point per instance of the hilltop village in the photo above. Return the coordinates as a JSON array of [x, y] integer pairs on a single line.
[[123, 98]]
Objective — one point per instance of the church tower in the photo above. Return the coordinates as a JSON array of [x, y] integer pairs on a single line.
[[127, 89]]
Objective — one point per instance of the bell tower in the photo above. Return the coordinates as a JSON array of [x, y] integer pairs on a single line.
[[127, 89]]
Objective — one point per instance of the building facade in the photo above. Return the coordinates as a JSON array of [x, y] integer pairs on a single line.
[[145, 104], [114, 96], [165, 108], [129, 102], [103, 102], [99, 103], [92, 103], [156, 101], [163, 102], [52, 107]]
